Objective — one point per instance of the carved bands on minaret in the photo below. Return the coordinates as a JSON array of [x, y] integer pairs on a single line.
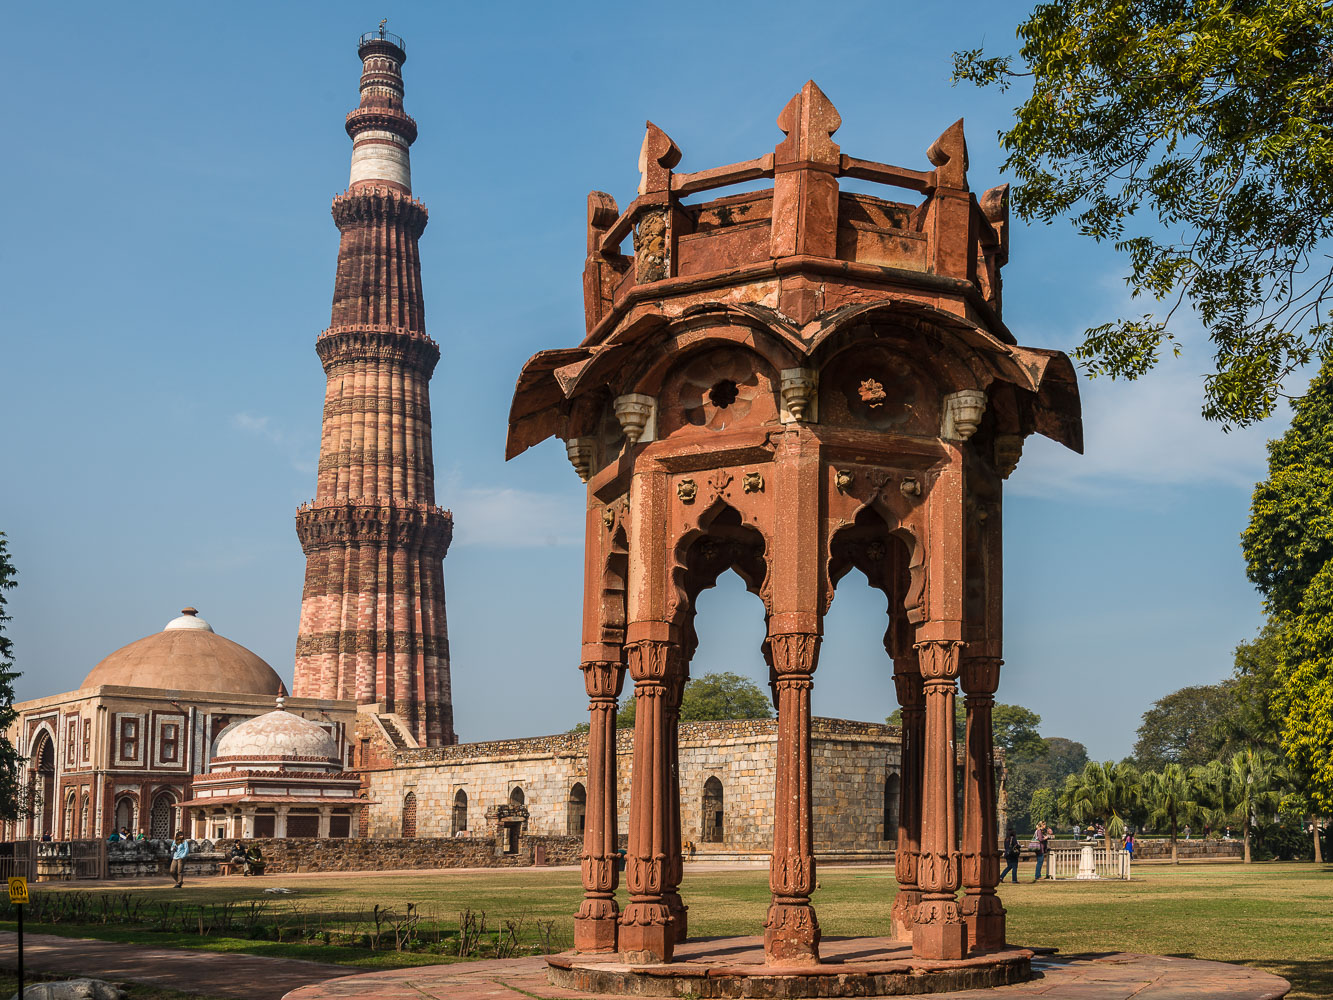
[[341, 345], [420, 527], [379, 204]]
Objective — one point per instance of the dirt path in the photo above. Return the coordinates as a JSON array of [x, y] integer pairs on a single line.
[[216, 974]]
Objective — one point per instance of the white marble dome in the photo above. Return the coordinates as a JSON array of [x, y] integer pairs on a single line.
[[280, 739]]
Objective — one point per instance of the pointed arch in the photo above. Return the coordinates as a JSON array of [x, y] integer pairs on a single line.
[[576, 810], [459, 816]]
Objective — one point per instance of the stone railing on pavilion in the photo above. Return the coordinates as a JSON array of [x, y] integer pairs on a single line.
[[950, 237]]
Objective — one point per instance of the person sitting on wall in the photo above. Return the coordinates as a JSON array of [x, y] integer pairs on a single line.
[[237, 857], [114, 838], [254, 861], [125, 834]]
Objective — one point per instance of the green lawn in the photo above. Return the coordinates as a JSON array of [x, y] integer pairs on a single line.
[[1273, 916]]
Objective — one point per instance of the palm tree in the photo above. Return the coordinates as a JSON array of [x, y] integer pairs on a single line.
[[1257, 780], [1103, 789], [1170, 800], [1216, 794]]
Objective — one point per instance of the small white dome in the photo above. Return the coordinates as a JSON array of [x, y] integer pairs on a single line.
[[278, 738], [189, 618]]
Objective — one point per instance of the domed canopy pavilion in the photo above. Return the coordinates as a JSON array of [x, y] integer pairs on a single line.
[[277, 775]]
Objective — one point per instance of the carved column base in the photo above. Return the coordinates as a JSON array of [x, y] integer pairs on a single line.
[[939, 932], [679, 913], [984, 914], [791, 935], [647, 934], [596, 924], [903, 914]]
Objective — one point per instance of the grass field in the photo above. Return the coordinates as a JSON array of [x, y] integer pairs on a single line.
[[1277, 917]]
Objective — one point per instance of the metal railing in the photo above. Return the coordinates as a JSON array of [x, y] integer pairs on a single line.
[[1088, 862], [380, 35]]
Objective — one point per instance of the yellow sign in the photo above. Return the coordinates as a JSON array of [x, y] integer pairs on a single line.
[[18, 890]]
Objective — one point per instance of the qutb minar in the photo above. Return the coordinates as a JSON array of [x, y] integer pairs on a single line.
[[373, 624]]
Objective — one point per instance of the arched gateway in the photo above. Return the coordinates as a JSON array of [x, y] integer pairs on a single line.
[[792, 383]]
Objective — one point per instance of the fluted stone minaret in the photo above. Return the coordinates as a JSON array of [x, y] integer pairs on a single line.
[[372, 613]]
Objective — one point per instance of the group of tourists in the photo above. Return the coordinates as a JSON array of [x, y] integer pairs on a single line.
[[123, 836], [252, 860], [1040, 846]]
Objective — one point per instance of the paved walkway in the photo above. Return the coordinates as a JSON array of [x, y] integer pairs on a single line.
[[1104, 977], [213, 973]]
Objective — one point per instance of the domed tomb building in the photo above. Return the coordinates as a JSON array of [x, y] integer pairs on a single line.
[[126, 748], [277, 775]]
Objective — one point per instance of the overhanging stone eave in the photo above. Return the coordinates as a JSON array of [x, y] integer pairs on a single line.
[[857, 271]]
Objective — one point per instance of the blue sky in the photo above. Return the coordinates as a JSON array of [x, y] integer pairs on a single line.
[[168, 260]]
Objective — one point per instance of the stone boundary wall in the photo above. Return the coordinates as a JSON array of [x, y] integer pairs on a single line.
[[1156, 850], [576, 744], [294, 854]]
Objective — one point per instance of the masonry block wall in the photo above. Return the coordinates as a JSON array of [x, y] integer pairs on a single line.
[[853, 762]]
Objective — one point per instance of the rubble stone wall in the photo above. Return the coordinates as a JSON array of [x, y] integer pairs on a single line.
[[852, 761], [343, 855]]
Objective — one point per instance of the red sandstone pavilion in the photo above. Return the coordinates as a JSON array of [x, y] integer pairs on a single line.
[[372, 613], [792, 383]]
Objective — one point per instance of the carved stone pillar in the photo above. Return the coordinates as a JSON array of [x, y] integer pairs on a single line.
[[939, 931], [981, 860], [674, 861], [907, 851], [791, 932], [647, 929], [596, 922]]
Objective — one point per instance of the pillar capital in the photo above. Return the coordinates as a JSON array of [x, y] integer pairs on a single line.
[[652, 661], [911, 694], [980, 675], [939, 658], [794, 653], [603, 679]]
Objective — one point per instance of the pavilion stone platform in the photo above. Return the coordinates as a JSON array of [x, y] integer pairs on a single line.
[[1117, 976], [736, 967]]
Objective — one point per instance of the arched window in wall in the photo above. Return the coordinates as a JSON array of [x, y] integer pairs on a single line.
[[576, 814], [42, 799], [460, 812], [71, 811], [516, 797], [85, 818], [713, 828], [125, 814], [160, 817], [410, 814], [891, 787]]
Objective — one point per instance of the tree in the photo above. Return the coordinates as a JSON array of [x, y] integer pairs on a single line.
[[1025, 777], [1288, 548], [1211, 117], [1103, 790], [1043, 807], [9, 754], [1252, 719], [724, 696], [1185, 727], [1015, 731], [712, 696], [1170, 799], [1256, 780], [1214, 793]]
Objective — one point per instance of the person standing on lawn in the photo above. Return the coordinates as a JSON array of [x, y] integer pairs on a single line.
[[1038, 846], [1010, 854], [179, 853]]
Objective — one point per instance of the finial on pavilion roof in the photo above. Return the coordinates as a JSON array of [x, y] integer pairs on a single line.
[[809, 120], [658, 154]]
